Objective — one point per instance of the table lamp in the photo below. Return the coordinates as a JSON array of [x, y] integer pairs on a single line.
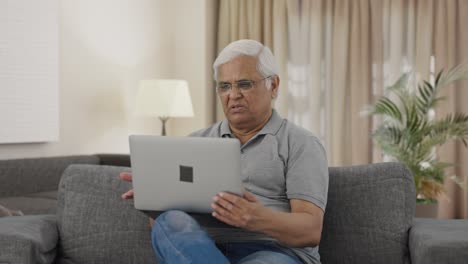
[[164, 99]]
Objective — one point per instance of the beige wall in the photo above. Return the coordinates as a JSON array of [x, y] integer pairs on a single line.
[[193, 39], [106, 47]]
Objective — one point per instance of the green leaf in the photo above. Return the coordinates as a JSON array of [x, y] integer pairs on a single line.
[[386, 107], [400, 84], [437, 79]]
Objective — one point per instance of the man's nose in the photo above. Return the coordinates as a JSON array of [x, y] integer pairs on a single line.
[[234, 92]]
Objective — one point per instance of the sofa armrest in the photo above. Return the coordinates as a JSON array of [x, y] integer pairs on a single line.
[[439, 241], [28, 239], [95, 224]]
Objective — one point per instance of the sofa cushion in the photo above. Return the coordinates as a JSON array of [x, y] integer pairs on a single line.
[[439, 241], [95, 224], [28, 239], [369, 212], [31, 204]]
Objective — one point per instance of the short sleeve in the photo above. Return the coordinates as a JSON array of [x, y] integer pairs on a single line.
[[307, 171]]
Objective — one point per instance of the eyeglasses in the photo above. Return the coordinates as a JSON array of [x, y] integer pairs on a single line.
[[224, 88]]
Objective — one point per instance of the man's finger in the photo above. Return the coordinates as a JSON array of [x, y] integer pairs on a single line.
[[128, 195], [223, 202], [224, 219], [126, 176], [231, 198], [249, 196], [220, 209]]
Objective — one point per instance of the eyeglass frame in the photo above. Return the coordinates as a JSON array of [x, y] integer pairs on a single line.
[[236, 84]]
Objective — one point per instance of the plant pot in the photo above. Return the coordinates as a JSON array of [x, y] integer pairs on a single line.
[[426, 210]]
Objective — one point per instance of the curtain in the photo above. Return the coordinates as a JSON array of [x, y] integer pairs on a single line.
[[338, 57]]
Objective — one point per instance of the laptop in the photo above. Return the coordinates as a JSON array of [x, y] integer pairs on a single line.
[[183, 173]]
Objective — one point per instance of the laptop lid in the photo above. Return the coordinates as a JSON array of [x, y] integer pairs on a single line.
[[183, 173]]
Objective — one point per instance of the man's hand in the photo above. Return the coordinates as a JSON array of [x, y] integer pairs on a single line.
[[238, 211], [287, 227], [127, 176]]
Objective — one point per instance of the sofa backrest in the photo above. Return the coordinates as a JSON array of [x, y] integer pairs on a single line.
[[121, 160], [368, 215], [42, 174], [369, 212], [32, 175]]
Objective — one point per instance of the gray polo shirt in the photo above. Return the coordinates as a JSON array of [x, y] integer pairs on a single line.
[[282, 162]]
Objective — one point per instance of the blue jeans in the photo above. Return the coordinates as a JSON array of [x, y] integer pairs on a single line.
[[178, 238]]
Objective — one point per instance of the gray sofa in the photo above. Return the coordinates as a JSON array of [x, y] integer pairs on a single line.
[[369, 219]]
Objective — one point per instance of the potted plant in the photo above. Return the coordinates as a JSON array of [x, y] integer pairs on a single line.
[[410, 133]]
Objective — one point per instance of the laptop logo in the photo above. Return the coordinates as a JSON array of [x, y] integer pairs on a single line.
[[186, 173]]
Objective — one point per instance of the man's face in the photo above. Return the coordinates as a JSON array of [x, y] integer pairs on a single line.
[[250, 107]]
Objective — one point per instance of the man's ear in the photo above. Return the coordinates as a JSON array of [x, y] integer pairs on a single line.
[[275, 81]]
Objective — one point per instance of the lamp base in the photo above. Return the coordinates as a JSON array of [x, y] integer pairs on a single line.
[[163, 120]]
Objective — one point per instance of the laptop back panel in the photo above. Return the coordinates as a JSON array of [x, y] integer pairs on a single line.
[[183, 173]]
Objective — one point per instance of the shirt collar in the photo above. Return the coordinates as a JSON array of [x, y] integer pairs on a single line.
[[271, 127], [225, 130]]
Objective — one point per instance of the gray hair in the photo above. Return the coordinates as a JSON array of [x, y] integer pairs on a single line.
[[266, 63]]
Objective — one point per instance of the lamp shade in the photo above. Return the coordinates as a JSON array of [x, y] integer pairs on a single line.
[[164, 98]]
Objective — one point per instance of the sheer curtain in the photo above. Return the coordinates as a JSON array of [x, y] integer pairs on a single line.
[[340, 54], [450, 47], [343, 54], [427, 36], [330, 75]]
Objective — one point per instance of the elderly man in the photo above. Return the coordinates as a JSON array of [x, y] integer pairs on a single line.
[[284, 170]]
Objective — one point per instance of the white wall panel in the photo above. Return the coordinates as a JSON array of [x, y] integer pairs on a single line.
[[29, 48]]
